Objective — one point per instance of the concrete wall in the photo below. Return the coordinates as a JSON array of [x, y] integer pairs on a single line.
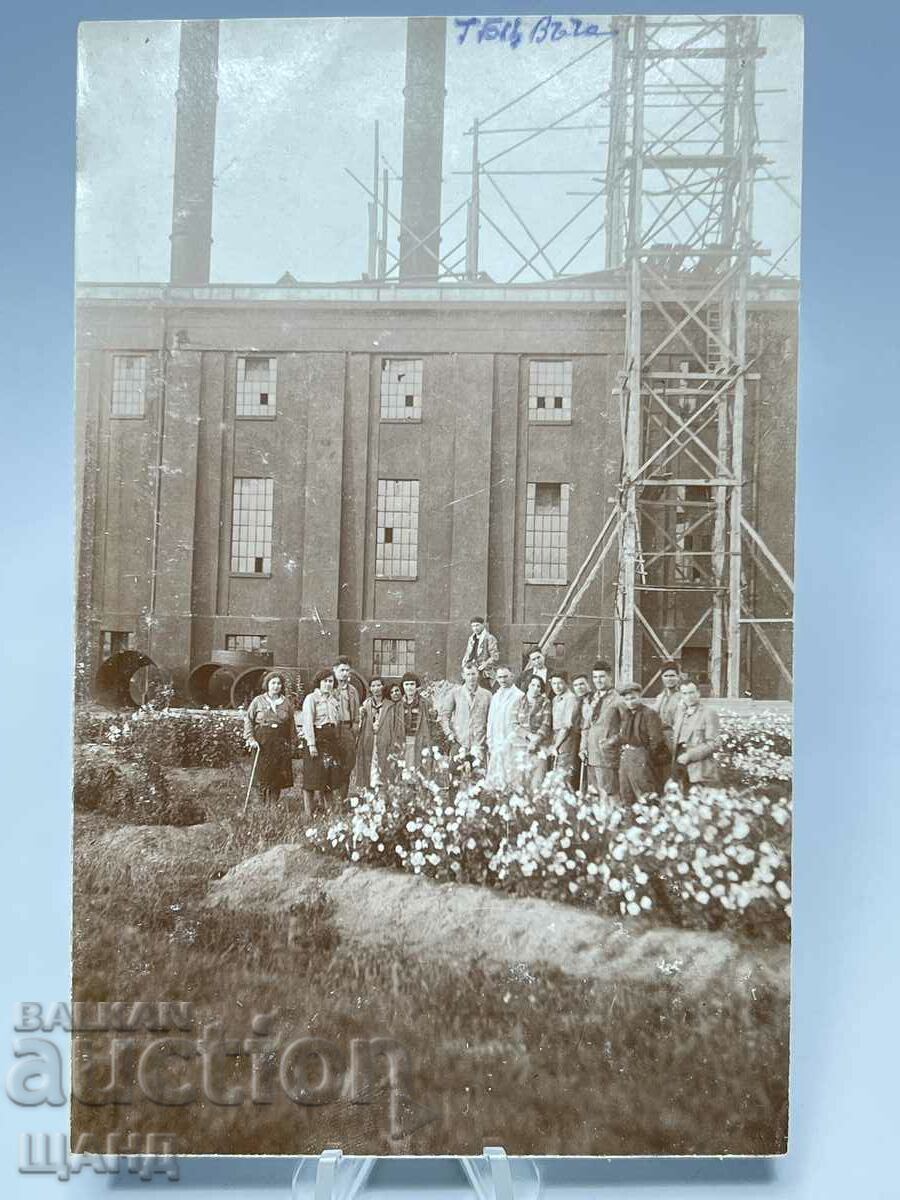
[[474, 451]]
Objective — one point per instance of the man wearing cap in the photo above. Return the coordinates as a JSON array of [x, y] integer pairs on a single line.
[[601, 719], [696, 737], [482, 651], [668, 702], [643, 753]]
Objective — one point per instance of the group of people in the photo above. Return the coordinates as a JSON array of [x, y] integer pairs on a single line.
[[596, 736]]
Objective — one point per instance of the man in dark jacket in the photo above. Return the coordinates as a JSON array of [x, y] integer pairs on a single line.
[[644, 752]]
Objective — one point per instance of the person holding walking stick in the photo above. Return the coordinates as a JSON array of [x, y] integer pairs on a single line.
[[271, 733]]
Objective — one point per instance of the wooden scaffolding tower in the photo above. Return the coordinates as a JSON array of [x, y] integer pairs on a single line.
[[682, 161]]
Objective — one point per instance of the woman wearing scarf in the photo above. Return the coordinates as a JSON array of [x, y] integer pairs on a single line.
[[405, 732], [269, 727], [367, 772], [322, 770]]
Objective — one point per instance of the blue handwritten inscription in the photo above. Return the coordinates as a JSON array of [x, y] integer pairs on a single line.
[[514, 30]]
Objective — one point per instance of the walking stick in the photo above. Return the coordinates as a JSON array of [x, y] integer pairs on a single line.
[[581, 779], [252, 777]]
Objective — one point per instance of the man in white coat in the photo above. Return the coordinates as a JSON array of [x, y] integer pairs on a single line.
[[501, 731]]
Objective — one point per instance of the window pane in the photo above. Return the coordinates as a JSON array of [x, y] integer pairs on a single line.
[[251, 529], [550, 390], [256, 387], [401, 389], [246, 641], [129, 385], [393, 657], [397, 528], [546, 532]]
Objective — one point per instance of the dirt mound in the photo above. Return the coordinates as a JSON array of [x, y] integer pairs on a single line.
[[140, 856], [463, 923], [273, 881]]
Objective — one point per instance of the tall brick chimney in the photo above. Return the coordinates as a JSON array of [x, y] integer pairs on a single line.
[[195, 148], [423, 148]]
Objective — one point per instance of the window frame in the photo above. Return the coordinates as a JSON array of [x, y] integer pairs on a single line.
[[384, 672], [402, 420], [531, 531], [568, 400], [383, 575], [144, 357], [272, 360], [236, 573]]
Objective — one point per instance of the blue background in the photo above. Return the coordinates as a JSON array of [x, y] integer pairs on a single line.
[[844, 1097]]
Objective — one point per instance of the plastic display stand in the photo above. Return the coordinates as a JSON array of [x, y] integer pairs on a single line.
[[490, 1176]]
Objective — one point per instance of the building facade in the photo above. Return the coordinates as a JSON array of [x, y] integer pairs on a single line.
[[354, 469]]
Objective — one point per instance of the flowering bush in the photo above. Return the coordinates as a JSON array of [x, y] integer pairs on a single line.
[[169, 736], [708, 860], [755, 750]]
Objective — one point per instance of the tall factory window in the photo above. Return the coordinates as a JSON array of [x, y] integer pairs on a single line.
[[401, 389], [397, 529], [256, 387], [546, 532], [129, 385], [246, 641], [550, 390], [251, 527], [393, 657], [114, 641]]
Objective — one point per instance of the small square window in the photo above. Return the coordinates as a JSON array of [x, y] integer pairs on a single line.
[[393, 657], [253, 642], [114, 641], [401, 389], [550, 390], [255, 386]]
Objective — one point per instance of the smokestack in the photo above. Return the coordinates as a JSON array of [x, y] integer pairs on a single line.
[[195, 148], [423, 148]]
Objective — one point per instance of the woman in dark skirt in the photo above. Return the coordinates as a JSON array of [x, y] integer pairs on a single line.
[[269, 726], [323, 770]]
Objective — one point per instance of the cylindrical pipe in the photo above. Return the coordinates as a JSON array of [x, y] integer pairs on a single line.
[[195, 148], [423, 148], [116, 675]]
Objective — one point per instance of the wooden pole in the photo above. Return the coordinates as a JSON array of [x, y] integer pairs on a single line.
[[747, 135], [633, 364]]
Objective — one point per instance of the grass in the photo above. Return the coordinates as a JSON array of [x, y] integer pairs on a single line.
[[533, 1062], [525, 1058]]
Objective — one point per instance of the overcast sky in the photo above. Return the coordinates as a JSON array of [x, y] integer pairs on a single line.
[[297, 103]]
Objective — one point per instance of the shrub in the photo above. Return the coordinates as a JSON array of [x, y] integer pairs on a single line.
[[133, 790], [709, 859], [756, 750], [169, 737]]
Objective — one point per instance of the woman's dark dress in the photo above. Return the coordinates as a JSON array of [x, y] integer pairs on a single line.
[[277, 736]]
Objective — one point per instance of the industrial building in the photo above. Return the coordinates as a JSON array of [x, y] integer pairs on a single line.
[[597, 463]]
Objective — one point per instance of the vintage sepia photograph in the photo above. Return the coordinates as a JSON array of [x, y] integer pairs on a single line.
[[436, 398]]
